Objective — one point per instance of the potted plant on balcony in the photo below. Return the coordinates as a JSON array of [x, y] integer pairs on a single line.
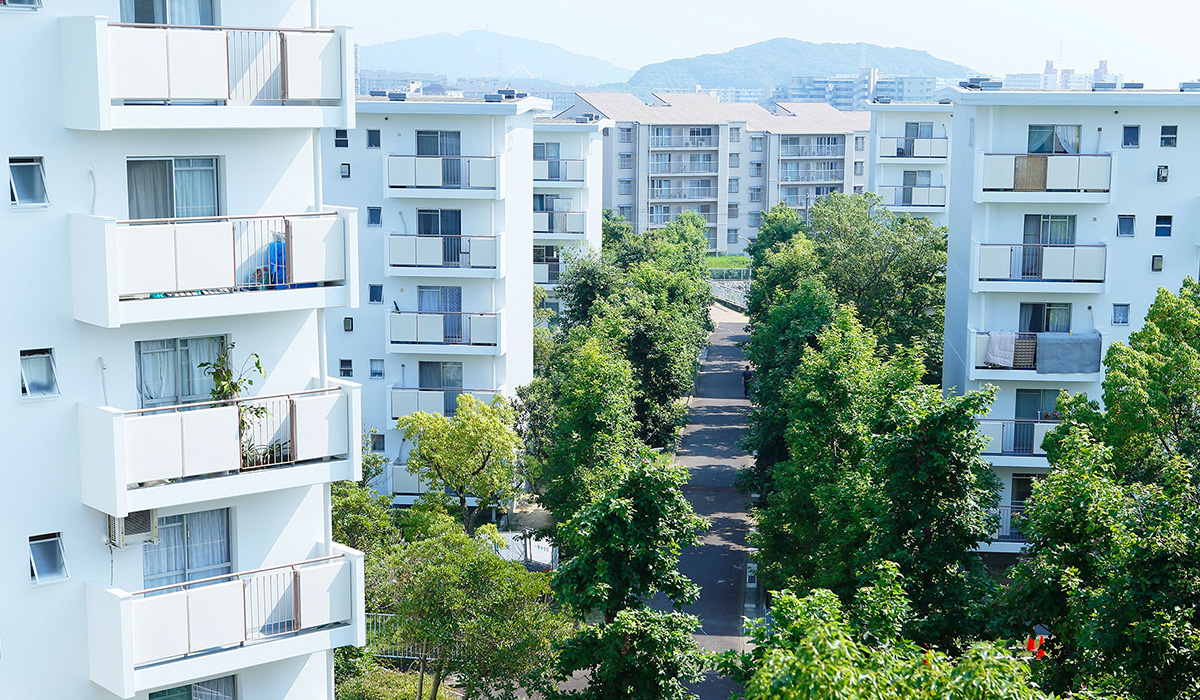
[[229, 385]]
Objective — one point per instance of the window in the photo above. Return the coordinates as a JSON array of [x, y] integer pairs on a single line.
[[1054, 138], [1120, 314], [735, 160], [860, 143], [38, 375], [858, 167], [735, 134], [735, 185], [341, 138], [215, 689], [1125, 224], [625, 211], [755, 218], [756, 194], [446, 377], [189, 12], [1156, 263], [756, 144], [191, 546], [1168, 137], [376, 369], [625, 187], [374, 216], [169, 372], [1162, 226], [169, 188], [27, 186], [858, 189], [31, 4], [46, 560], [733, 211], [374, 139], [345, 171], [378, 443], [756, 169], [731, 236], [625, 161], [1131, 136], [1045, 318], [375, 294], [345, 368], [625, 134], [348, 324]]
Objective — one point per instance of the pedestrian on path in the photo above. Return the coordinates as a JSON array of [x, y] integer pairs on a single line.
[[747, 377]]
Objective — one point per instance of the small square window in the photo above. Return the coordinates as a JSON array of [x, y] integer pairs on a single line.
[[1168, 137], [625, 187], [39, 376], [858, 167], [346, 368], [734, 185], [756, 169], [625, 211], [735, 134], [735, 160], [374, 139], [860, 143], [376, 369], [858, 189], [1162, 226], [46, 559], [733, 211], [1156, 263], [345, 171], [731, 236], [755, 218], [27, 186], [378, 443], [1125, 225], [756, 143], [756, 194], [1131, 137], [625, 161], [1120, 314], [374, 216], [27, 4], [375, 294], [625, 134], [348, 324], [341, 138]]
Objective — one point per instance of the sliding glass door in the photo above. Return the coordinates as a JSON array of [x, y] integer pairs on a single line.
[[172, 188], [190, 547], [177, 12]]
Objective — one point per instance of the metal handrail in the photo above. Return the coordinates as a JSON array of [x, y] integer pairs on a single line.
[[684, 193], [559, 160], [212, 27], [1042, 245], [917, 187], [1106, 155], [217, 219], [461, 157], [183, 585], [448, 313], [396, 387], [684, 168], [226, 402], [557, 211], [442, 235], [916, 138], [812, 175]]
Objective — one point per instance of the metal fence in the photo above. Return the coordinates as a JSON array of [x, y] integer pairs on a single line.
[[384, 642], [729, 273], [731, 292]]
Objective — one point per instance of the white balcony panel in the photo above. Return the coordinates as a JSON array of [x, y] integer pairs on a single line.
[[198, 63], [210, 441], [1058, 263], [541, 221], [484, 252], [325, 594], [204, 256], [159, 627], [541, 170], [428, 172], [152, 447], [403, 328], [485, 330], [993, 433], [318, 249], [999, 172], [216, 616], [146, 259], [431, 328], [402, 171], [481, 173], [137, 63], [314, 65], [576, 222], [1090, 263], [404, 402], [431, 401], [1095, 173], [429, 251], [320, 423], [1062, 173], [981, 343], [1040, 430], [402, 250], [541, 273], [576, 170]]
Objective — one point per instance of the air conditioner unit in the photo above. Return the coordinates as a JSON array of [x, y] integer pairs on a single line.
[[140, 527]]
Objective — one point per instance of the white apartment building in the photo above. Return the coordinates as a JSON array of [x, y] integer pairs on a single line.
[[1067, 212], [446, 190], [165, 206], [728, 162], [910, 146]]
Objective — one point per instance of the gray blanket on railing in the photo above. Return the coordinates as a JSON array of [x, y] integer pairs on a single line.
[[1068, 353]]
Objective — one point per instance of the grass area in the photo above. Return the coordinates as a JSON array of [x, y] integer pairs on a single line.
[[726, 261]]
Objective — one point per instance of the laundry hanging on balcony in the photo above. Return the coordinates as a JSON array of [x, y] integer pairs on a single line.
[[1000, 348], [1068, 353]]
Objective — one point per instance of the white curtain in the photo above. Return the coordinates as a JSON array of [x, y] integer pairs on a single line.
[[191, 12], [156, 373], [195, 187], [150, 189], [215, 689], [164, 563], [196, 385], [1058, 318], [208, 543], [38, 374], [1026, 321], [1066, 139]]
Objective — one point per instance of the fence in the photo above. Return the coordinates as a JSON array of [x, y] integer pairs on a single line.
[[732, 293], [384, 642], [729, 273]]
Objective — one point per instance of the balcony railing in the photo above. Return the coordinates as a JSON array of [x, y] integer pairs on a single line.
[[462, 252], [1060, 172], [559, 170], [710, 218], [1015, 437], [684, 141], [811, 175], [913, 195], [406, 401], [547, 272], [442, 172], [562, 222], [1010, 524], [444, 328], [683, 193], [1055, 358], [812, 150], [913, 147], [1042, 262], [687, 168]]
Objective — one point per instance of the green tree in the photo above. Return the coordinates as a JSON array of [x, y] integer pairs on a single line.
[[543, 336], [374, 682], [780, 225], [588, 278], [474, 453]]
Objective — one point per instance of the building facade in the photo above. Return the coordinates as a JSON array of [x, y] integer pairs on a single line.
[[910, 147], [727, 162], [856, 92], [177, 535], [446, 190]]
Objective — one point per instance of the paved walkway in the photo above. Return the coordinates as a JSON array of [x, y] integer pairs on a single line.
[[710, 450]]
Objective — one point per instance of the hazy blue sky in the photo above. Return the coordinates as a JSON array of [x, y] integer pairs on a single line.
[[1154, 42]]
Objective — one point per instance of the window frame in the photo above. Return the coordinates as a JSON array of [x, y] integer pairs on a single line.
[[1157, 263], [1159, 225], [735, 160], [735, 134], [859, 167], [40, 352], [756, 168], [371, 364], [625, 161], [375, 214], [625, 186], [371, 288], [341, 138], [731, 210], [344, 170], [378, 442], [31, 5], [1132, 219], [1127, 308], [731, 236], [378, 138], [756, 194], [735, 185], [860, 143], [348, 324], [27, 161], [758, 144], [35, 578], [1137, 136], [624, 134], [1163, 136], [345, 368]]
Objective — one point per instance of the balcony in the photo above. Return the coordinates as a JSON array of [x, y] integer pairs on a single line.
[[1010, 524], [1058, 357], [923, 147], [1015, 437], [913, 197], [1044, 178], [172, 635], [125, 76], [175, 269], [683, 193], [404, 401], [161, 457], [547, 272], [710, 218], [560, 224], [1065, 269], [694, 142], [410, 255], [812, 150], [688, 168], [444, 333], [559, 171], [812, 175], [444, 177]]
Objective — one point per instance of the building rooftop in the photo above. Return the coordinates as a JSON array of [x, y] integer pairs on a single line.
[[444, 104], [821, 117], [695, 108], [1067, 98]]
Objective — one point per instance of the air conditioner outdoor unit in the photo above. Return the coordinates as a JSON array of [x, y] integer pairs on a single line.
[[140, 527]]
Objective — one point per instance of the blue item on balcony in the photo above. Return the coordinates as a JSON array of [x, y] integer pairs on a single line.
[[1068, 353], [277, 263]]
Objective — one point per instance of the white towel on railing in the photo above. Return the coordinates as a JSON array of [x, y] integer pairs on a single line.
[[1000, 347]]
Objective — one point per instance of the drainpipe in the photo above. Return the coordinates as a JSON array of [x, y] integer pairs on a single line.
[[314, 11], [319, 205]]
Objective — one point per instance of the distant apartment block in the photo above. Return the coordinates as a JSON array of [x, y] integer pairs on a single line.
[[375, 80], [1052, 78], [854, 92], [728, 162]]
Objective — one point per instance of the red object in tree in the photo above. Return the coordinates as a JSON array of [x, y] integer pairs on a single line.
[[1041, 653], [1031, 644]]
